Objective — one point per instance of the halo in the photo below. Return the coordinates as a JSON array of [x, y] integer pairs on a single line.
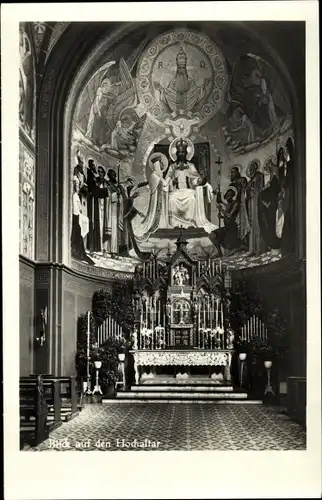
[[250, 163], [173, 148], [270, 159], [231, 188], [164, 160], [236, 165]]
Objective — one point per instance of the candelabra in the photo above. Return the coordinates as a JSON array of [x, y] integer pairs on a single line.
[[97, 387], [268, 388], [121, 358], [88, 377], [242, 358]]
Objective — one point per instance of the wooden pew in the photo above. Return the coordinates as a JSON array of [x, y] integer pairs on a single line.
[[68, 395], [51, 394], [33, 413]]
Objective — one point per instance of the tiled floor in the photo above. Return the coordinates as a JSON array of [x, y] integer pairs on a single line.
[[178, 427]]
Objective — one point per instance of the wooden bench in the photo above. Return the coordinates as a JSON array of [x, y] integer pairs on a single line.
[[68, 396], [33, 412], [296, 399]]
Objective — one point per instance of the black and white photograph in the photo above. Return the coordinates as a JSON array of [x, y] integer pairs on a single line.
[[163, 234]]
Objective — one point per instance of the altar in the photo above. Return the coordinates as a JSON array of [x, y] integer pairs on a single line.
[[182, 359], [182, 316]]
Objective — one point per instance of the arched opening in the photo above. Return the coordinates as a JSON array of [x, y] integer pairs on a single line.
[[84, 129]]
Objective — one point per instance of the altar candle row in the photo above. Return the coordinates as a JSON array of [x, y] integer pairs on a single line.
[[152, 312], [206, 339], [153, 339], [210, 312], [211, 267], [150, 269], [254, 328]]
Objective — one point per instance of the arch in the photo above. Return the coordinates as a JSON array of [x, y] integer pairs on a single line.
[[65, 75]]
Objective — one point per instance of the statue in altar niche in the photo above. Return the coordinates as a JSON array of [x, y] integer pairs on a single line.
[[181, 275], [177, 197]]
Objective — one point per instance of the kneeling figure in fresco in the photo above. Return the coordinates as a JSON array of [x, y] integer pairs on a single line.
[[227, 237]]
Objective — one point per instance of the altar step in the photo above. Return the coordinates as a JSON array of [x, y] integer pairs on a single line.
[[182, 388], [222, 394]]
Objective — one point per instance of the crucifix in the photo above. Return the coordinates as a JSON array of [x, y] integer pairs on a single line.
[[219, 163]]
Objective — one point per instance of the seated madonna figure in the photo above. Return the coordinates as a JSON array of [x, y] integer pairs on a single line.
[[176, 200]]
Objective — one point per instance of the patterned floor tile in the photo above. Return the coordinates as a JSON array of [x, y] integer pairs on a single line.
[[159, 426]]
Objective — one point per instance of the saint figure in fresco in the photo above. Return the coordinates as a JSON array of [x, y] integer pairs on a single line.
[[288, 185], [92, 177], [182, 91], [281, 166], [99, 193], [268, 206], [176, 200], [79, 226], [240, 183], [226, 237], [253, 190]]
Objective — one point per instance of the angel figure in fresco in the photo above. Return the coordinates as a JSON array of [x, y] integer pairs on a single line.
[[25, 81], [105, 116], [111, 99], [258, 105]]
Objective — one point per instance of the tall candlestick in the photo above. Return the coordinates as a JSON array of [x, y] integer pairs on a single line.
[[211, 310], [222, 315], [198, 323], [204, 312], [217, 303]]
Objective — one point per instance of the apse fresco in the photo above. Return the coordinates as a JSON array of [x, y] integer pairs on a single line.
[[188, 132], [27, 173]]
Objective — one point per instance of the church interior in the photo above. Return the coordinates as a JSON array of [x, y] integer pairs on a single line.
[[162, 212]]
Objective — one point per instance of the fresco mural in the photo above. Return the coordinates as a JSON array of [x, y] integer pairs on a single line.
[[26, 82], [177, 133], [259, 109], [27, 174]]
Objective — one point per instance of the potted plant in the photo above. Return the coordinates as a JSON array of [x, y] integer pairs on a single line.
[[107, 354]]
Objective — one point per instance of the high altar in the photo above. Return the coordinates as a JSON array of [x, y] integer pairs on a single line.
[[182, 314]]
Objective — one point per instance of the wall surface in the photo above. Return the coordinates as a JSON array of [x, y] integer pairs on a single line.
[[27, 309]]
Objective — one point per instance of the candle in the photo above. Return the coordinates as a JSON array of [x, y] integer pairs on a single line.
[[211, 310], [204, 312], [217, 302], [222, 315], [88, 332], [198, 323]]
